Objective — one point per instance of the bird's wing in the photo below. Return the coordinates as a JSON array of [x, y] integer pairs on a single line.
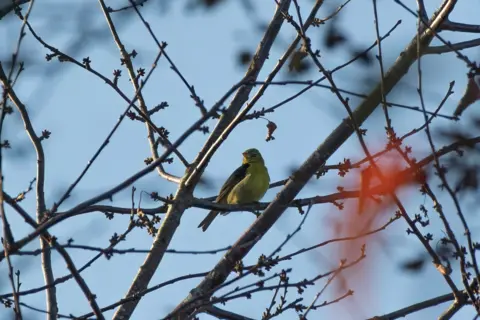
[[238, 175]]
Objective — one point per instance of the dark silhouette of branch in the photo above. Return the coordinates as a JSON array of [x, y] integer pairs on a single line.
[[9, 5], [175, 211], [308, 169], [460, 27], [401, 313], [236, 276], [224, 314]]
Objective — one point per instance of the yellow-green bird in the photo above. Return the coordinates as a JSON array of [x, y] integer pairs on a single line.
[[247, 184]]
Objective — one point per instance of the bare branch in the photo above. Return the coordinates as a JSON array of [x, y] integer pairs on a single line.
[[452, 310], [401, 313], [50, 240], [373, 183], [143, 111], [51, 295], [421, 10], [224, 314], [7, 242], [7, 6], [308, 169], [452, 47], [460, 27], [175, 211]]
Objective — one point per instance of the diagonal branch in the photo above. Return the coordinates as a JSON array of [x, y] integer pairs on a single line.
[[230, 117], [51, 241], [421, 10], [452, 47], [206, 203], [224, 314], [142, 111], [298, 179], [215, 141], [40, 229], [184, 194]]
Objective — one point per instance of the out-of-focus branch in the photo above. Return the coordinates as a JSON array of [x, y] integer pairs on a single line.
[[224, 314], [298, 179], [184, 194], [8, 5]]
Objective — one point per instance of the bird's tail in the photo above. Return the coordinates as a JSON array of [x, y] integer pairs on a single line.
[[208, 220]]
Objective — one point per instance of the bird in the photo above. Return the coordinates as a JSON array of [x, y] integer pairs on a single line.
[[247, 184]]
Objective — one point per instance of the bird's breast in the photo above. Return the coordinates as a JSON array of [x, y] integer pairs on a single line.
[[252, 188]]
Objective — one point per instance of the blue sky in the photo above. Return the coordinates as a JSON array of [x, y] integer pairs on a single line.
[[80, 110]]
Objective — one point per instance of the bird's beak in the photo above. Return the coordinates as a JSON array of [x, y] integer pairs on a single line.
[[244, 154]]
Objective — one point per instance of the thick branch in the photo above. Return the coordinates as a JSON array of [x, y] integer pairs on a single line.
[[298, 180], [127, 182], [183, 195], [7, 6], [224, 314]]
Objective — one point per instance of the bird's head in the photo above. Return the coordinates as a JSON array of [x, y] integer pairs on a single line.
[[252, 156]]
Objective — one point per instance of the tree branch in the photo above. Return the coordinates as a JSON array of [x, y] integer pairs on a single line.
[[50, 240], [184, 194], [460, 27], [51, 295], [452, 47], [7, 6], [417, 307], [298, 179], [224, 314], [142, 111]]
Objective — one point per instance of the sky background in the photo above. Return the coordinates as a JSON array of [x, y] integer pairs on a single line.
[[80, 110]]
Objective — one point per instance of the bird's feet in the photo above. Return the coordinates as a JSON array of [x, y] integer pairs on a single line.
[[257, 213]]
